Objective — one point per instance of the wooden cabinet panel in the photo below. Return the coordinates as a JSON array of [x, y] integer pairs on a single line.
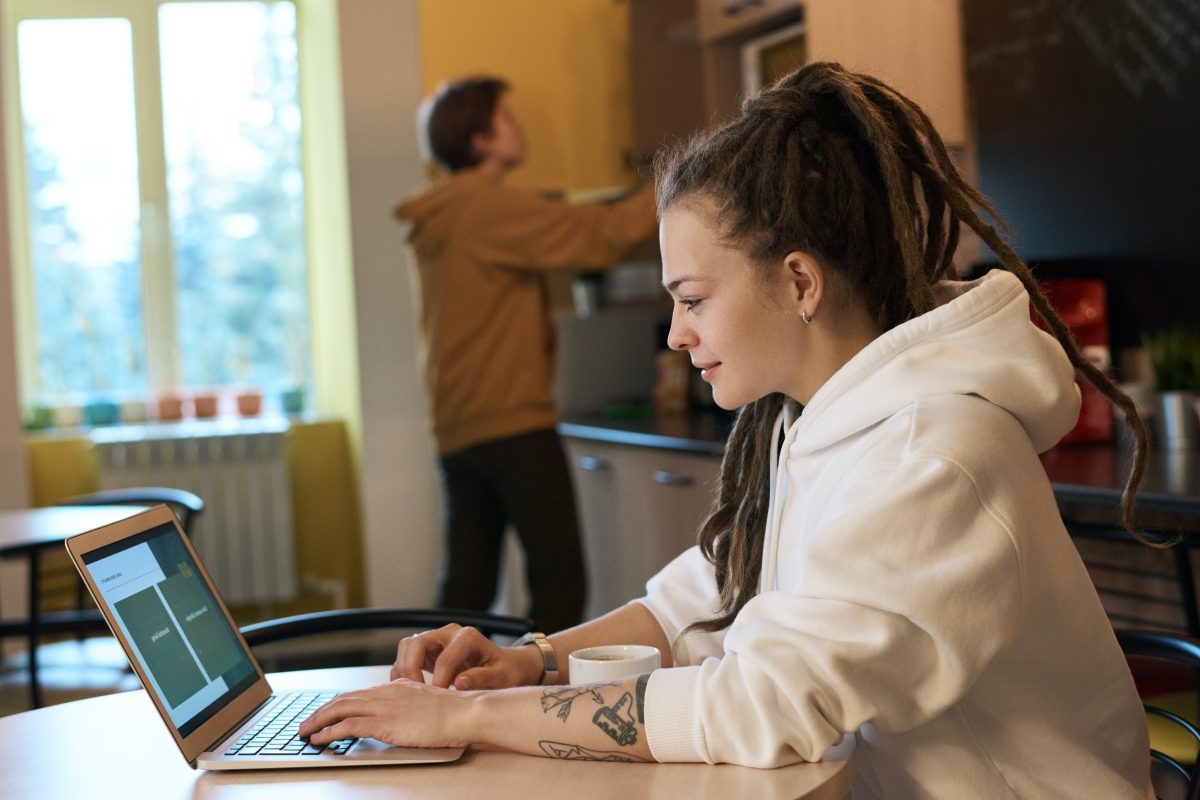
[[639, 508], [664, 53], [915, 46], [717, 19]]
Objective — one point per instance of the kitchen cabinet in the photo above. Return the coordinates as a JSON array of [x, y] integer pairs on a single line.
[[665, 66], [639, 507], [914, 45], [568, 66], [718, 19]]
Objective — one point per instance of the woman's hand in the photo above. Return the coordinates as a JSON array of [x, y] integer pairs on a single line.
[[596, 722], [401, 713], [465, 658]]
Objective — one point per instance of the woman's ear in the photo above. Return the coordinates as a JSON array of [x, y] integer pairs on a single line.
[[806, 283]]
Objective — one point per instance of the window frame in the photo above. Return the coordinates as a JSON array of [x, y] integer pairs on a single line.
[[163, 359]]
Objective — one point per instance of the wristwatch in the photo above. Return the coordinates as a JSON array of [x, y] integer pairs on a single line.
[[549, 657]]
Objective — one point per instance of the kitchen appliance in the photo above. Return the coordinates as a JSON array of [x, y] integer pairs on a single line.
[[769, 57]]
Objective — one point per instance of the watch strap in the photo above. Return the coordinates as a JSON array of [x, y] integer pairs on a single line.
[[549, 656]]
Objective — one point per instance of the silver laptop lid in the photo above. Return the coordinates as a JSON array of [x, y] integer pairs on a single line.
[[163, 608]]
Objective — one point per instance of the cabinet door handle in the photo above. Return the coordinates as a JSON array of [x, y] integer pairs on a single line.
[[734, 7], [593, 464], [667, 478]]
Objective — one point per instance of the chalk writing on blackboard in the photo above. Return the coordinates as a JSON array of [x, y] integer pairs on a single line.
[[1147, 45]]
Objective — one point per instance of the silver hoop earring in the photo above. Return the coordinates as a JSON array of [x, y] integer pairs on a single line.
[[804, 315]]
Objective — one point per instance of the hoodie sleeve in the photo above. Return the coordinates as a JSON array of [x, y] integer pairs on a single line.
[[908, 592], [683, 592], [522, 230]]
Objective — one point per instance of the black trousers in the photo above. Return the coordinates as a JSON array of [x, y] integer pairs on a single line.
[[521, 480]]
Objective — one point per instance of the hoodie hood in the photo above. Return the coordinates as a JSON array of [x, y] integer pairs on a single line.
[[979, 341], [435, 211]]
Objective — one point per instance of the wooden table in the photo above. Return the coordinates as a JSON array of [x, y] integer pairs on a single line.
[[117, 747], [27, 533]]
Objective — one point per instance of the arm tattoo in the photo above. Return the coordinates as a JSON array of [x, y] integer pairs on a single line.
[[641, 696], [617, 721], [575, 752], [562, 699]]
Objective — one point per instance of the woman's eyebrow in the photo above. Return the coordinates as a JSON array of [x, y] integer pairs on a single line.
[[673, 285]]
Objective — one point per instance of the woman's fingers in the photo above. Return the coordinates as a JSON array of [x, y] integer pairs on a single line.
[[420, 652], [331, 718], [491, 676], [465, 649], [399, 713], [353, 727]]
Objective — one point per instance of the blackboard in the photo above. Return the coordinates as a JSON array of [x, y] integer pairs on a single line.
[[1087, 122]]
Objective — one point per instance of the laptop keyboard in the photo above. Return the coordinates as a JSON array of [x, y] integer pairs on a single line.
[[276, 734]]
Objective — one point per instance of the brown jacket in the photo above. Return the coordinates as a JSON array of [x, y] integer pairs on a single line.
[[480, 248]]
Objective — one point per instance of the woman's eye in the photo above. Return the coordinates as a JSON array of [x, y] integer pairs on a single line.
[[689, 303]]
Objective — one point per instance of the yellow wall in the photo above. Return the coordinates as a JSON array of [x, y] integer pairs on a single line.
[[567, 62]]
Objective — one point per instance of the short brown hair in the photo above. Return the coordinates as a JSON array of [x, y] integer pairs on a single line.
[[455, 113]]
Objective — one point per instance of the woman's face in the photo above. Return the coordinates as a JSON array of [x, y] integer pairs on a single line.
[[742, 331]]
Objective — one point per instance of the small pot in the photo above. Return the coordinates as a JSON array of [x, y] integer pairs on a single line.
[[292, 401], [204, 406], [170, 408], [133, 412], [68, 416], [249, 403], [1178, 425]]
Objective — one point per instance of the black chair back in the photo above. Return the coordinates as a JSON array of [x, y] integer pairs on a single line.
[[358, 620], [1171, 774], [186, 505]]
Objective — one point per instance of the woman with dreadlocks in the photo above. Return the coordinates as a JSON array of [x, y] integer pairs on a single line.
[[884, 557]]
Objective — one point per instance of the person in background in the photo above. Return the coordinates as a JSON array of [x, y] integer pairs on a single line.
[[481, 250], [885, 558]]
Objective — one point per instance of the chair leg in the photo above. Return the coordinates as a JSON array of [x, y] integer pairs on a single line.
[[1187, 585], [33, 637]]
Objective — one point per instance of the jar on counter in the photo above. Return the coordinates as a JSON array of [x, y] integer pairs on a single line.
[[672, 369]]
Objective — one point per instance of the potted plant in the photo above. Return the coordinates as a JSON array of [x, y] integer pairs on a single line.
[[1175, 355]]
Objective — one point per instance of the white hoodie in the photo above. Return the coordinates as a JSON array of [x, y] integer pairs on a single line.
[[918, 588]]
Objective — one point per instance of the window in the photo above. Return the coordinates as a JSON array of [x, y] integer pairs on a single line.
[[161, 236]]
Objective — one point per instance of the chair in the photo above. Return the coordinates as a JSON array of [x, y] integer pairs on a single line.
[[79, 619], [186, 505], [1175, 742], [340, 621]]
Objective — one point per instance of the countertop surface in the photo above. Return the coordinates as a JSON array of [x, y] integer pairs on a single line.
[[1087, 479], [701, 432]]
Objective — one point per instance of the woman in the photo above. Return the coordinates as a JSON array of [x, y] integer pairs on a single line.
[[885, 557]]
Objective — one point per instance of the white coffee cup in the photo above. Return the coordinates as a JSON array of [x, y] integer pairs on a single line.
[[611, 662]]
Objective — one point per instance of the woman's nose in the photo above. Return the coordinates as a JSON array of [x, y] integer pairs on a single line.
[[681, 336]]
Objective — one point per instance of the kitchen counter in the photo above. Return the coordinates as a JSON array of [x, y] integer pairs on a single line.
[[1087, 479], [702, 432], [1087, 482]]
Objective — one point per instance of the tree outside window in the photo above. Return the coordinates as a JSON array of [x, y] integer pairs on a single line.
[[164, 202]]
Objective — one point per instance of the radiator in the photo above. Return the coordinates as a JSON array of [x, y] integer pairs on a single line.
[[245, 534]]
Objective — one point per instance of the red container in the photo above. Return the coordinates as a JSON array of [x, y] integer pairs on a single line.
[[1083, 306]]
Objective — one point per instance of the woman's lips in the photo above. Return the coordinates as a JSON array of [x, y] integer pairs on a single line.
[[706, 372]]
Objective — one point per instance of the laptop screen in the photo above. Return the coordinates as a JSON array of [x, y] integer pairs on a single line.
[[185, 645]]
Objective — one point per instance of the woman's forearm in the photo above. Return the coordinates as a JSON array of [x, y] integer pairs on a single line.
[[597, 722], [630, 624]]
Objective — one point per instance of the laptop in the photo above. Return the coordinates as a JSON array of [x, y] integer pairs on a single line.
[[212, 694]]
